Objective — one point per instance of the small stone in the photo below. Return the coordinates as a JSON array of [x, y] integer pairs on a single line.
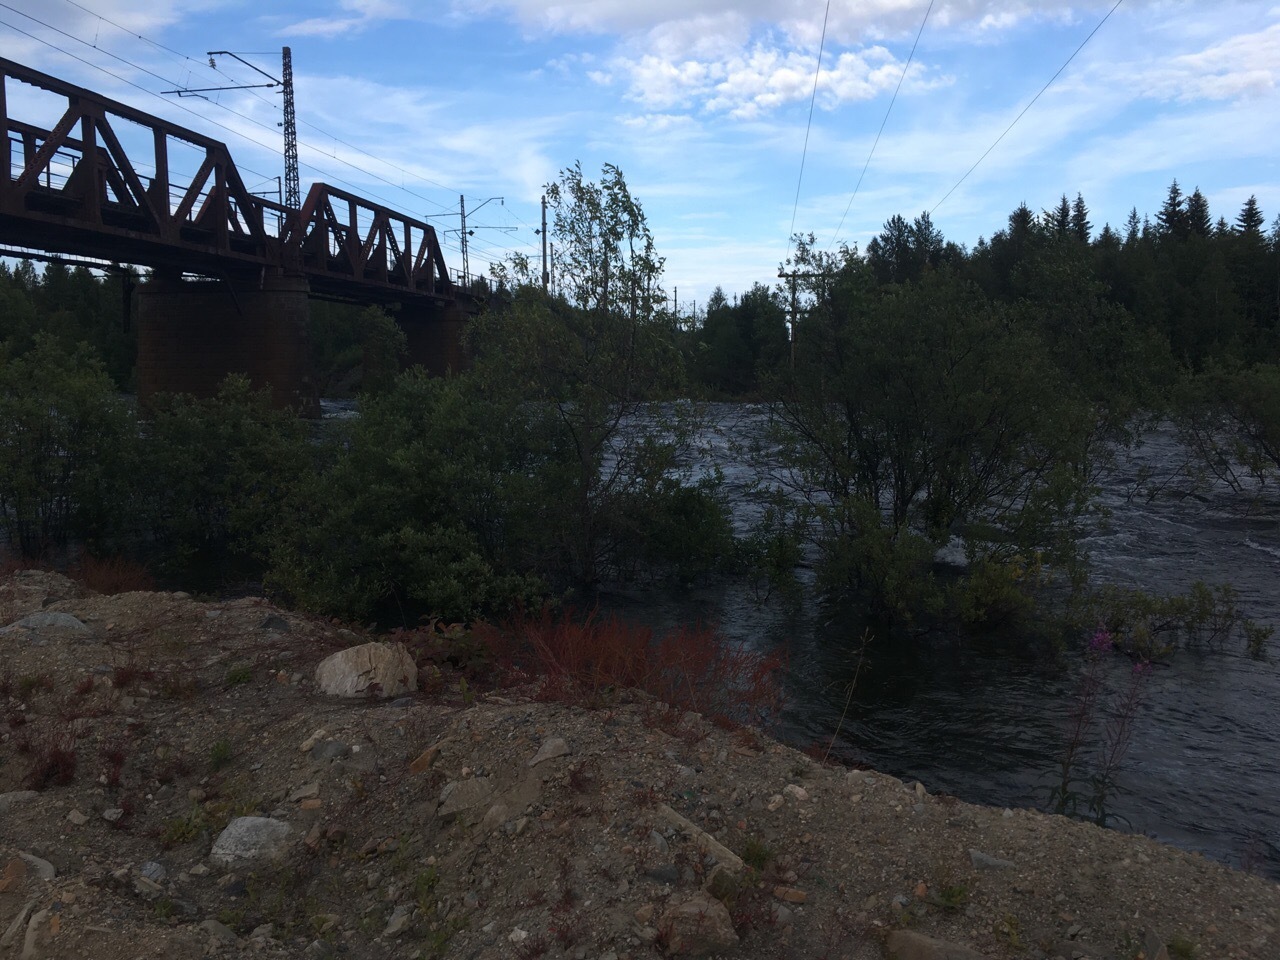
[[311, 803], [426, 760], [796, 792], [667, 873], [275, 622], [775, 803], [311, 741], [399, 922], [44, 869], [982, 861], [659, 842], [790, 894], [645, 913], [495, 817], [460, 795], [264, 931], [153, 870], [518, 936], [697, 927], [218, 930], [199, 870], [550, 749], [920, 790], [329, 750], [112, 814], [304, 792]]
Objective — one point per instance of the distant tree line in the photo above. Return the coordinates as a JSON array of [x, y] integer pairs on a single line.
[[927, 400]]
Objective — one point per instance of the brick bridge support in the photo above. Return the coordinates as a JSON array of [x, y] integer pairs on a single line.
[[192, 333], [434, 332]]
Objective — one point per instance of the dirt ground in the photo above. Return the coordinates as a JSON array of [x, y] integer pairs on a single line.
[[456, 823]]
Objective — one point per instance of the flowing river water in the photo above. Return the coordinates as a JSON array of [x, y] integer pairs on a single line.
[[1203, 768]]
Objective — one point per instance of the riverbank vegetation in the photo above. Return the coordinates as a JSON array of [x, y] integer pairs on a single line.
[[927, 402]]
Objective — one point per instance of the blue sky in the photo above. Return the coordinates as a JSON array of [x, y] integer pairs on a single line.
[[704, 104]]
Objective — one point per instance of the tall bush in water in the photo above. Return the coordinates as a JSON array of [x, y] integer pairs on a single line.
[[921, 415], [65, 442]]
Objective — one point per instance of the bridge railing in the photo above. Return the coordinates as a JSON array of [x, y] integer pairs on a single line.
[[343, 238]]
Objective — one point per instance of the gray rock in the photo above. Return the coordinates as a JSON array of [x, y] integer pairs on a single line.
[[263, 931], [551, 748], [275, 622], [10, 800], [381, 668], [43, 868], [667, 873], [153, 870], [218, 930], [982, 861], [460, 795], [697, 927], [909, 945], [29, 947], [330, 750], [305, 792], [399, 922], [249, 839], [659, 841], [50, 620], [19, 921]]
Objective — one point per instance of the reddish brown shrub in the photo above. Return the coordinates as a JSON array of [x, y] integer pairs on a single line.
[[585, 660], [53, 761]]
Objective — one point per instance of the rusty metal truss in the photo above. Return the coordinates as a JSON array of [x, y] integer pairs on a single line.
[[73, 188]]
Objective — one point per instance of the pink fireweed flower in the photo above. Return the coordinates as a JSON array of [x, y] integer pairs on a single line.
[[1101, 641]]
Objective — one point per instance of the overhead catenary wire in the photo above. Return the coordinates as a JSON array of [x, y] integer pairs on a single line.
[[804, 152], [237, 113], [328, 175], [203, 64], [876, 142], [1024, 110]]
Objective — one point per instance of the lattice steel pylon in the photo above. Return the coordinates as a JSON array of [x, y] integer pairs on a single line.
[[292, 187]]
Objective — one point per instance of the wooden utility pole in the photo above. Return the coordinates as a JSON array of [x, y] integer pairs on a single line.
[[546, 276], [794, 312]]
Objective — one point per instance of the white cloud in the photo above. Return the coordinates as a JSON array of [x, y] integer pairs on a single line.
[[747, 85], [323, 27], [1243, 65]]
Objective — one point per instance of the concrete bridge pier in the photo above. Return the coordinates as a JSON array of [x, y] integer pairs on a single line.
[[192, 333], [434, 332]]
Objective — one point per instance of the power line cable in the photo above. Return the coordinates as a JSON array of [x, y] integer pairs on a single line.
[[808, 126], [234, 112], [876, 142], [327, 175], [203, 64], [1028, 106]]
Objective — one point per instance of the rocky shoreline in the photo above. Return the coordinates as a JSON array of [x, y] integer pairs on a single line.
[[176, 782]]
